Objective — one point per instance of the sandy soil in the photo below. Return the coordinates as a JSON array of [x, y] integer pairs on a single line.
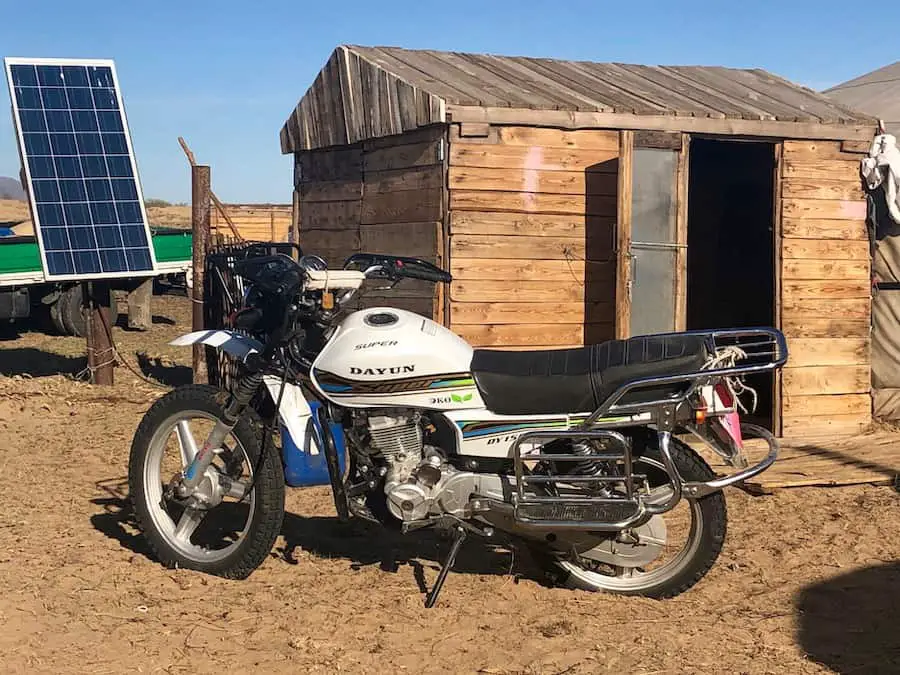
[[808, 581]]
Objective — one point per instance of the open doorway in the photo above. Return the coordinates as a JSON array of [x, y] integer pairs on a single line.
[[731, 244]]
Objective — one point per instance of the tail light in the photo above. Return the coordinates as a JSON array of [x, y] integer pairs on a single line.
[[724, 395]]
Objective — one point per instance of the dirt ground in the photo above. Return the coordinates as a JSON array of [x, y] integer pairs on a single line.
[[808, 581]]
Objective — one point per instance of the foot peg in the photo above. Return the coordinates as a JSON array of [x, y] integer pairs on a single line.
[[445, 568]]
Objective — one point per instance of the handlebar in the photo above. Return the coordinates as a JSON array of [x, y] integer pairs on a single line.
[[394, 267], [276, 280]]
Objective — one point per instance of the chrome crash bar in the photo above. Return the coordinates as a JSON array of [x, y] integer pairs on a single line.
[[695, 490]]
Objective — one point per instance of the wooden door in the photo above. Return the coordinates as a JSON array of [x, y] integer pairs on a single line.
[[650, 241]]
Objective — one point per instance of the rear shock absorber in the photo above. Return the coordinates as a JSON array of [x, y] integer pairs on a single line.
[[572, 467]]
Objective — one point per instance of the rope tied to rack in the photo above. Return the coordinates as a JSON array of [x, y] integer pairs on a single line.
[[727, 357]]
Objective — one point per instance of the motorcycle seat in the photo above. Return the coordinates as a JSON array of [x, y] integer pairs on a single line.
[[579, 380]]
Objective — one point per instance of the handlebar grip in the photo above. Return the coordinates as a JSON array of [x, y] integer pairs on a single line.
[[436, 276]]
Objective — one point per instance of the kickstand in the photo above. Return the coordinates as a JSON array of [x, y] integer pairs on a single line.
[[445, 568]]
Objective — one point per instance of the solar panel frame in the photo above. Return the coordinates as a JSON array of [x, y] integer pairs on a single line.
[[9, 63]]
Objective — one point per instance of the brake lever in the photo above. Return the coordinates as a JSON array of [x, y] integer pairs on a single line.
[[385, 273]]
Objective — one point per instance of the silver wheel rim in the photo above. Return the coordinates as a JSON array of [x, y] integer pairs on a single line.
[[631, 579], [174, 532]]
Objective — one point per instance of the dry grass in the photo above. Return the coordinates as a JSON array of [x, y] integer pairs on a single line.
[[14, 211], [170, 216]]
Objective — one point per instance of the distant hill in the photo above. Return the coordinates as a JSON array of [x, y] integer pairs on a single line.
[[10, 188]]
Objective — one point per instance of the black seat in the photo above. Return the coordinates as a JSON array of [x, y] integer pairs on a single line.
[[581, 379]]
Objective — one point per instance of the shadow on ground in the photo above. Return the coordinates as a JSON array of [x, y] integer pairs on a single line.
[[851, 623], [156, 320], [38, 363], [359, 542], [163, 371]]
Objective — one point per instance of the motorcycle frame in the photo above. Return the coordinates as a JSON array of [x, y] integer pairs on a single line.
[[663, 414]]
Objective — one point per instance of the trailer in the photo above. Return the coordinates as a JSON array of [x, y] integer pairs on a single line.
[[25, 293]]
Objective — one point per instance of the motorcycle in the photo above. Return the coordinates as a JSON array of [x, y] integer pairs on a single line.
[[578, 454]]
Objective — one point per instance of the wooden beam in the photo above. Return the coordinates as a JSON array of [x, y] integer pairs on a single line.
[[514, 313], [100, 350], [535, 158], [623, 237], [777, 253], [835, 404], [294, 232], [681, 231], [607, 141], [504, 269], [200, 198], [474, 129], [820, 380], [794, 228], [829, 351], [528, 180], [568, 119], [219, 205], [821, 270], [664, 140], [522, 248], [859, 147]]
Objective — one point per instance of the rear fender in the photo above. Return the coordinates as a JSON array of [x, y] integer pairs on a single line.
[[232, 343]]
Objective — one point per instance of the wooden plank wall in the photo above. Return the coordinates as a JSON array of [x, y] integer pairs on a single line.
[[257, 222], [381, 196], [532, 215], [330, 201], [402, 211], [826, 290]]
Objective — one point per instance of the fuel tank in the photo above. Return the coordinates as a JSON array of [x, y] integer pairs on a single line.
[[394, 358]]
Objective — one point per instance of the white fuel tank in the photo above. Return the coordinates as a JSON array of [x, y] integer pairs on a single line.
[[390, 357]]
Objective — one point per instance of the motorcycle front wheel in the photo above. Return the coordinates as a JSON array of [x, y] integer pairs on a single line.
[[230, 523], [665, 556]]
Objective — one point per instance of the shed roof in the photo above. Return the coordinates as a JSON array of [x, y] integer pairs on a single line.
[[876, 93], [366, 92]]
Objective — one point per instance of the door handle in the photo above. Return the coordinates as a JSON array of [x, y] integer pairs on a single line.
[[632, 272]]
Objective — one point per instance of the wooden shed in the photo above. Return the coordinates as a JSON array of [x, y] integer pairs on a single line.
[[575, 202]]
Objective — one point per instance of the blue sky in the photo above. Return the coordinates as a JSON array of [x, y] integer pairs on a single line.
[[226, 74]]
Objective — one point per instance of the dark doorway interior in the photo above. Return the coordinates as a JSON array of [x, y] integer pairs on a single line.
[[731, 247]]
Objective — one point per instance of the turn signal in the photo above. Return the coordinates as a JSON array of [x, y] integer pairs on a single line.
[[700, 416], [328, 300]]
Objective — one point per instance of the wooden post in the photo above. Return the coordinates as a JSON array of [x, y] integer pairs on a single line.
[[623, 236], [101, 356], [200, 202], [212, 195], [294, 235], [139, 314]]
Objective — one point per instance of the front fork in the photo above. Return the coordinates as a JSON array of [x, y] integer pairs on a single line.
[[237, 403]]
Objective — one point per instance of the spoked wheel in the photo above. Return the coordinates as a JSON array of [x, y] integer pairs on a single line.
[[669, 553], [228, 525]]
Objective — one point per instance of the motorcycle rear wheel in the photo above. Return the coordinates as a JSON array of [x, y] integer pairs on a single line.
[[213, 540], [708, 528]]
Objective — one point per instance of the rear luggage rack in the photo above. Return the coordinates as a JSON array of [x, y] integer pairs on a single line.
[[760, 350]]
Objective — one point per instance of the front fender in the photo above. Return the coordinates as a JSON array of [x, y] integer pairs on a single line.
[[232, 343]]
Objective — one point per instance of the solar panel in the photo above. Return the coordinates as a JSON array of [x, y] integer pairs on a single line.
[[86, 198]]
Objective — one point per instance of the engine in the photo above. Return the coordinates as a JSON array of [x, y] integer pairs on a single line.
[[416, 475]]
